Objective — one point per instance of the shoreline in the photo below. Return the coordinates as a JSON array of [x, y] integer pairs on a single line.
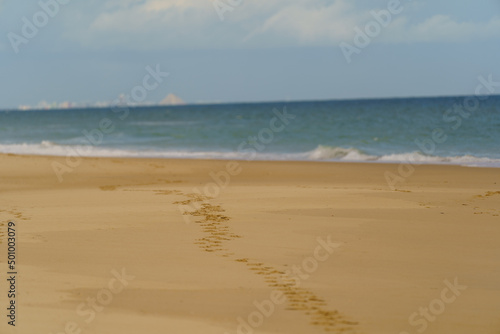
[[390, 163]]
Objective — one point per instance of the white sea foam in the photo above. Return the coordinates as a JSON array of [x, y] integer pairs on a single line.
[[328, 153], [339, 153], [321, 153]]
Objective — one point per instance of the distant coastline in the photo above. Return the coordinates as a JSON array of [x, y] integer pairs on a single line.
[[107, 105]]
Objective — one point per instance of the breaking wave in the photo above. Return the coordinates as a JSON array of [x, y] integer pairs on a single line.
[[320, 153]]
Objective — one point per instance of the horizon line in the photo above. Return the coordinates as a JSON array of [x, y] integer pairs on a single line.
[[188, 104]]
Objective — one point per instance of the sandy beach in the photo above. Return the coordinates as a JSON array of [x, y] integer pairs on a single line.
[[189, 246]]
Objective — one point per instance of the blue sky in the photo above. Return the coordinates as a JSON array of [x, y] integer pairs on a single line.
[[263, 50]]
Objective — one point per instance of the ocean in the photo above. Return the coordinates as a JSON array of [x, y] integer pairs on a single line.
[[442, 130]]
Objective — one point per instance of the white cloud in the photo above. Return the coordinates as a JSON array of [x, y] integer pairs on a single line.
[[148, 24], [161, 24], [194, 23], [439, 28], [442, 27], [311, 22]]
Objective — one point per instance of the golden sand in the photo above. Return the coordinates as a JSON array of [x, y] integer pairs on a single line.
[[157, 246]]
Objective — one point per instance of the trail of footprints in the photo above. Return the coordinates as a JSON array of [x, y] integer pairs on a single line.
[[472, 203], [11, 214], [14, 213], [492, 212], [217, 234]]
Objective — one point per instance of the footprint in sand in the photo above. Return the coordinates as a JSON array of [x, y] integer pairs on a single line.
[[485, 196], [16, 214], [215, 226], [488, 194]]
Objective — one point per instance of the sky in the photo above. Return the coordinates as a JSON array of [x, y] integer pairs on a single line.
[[244, 51]]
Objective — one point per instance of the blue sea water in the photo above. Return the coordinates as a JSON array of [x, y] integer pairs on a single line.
[[420, 130]]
